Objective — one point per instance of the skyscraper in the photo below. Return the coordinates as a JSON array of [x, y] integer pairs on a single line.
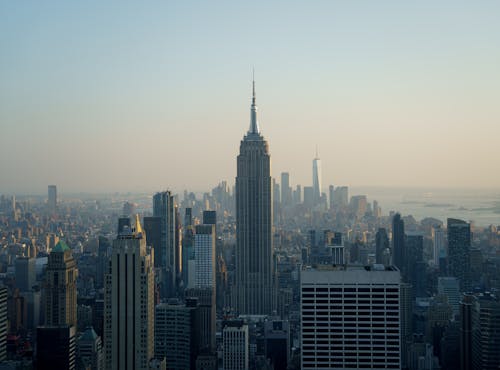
[[60, 287], [381, 245], [52, 199], [286, 190], [459, 245], [129, 302], [166, 255], [316, 179], [254, 250], [398, 243]]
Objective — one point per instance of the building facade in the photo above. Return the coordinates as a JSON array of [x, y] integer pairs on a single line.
[[350, 317]]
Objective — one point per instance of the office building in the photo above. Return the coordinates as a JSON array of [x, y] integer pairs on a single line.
[[486, 333], [467, 308], [398, 244], [129, 302], [450, 287], [254, 270], [459, 245], [286, 190], [381, 246], [52, 199], [204, 246], [350, 317], [56, 347], [25, 273], [209, 217], [89, 350], [167, 254], [175, 334], [341, 196], [60, 287], [235, 345], [439, 250], [277, 343]]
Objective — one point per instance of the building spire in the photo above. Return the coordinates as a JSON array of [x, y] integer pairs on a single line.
[[254, 125]]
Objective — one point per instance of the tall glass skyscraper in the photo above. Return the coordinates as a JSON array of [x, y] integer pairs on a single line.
[[254, 249]]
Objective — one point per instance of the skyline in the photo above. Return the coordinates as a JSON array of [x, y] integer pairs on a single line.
[[393, 95]]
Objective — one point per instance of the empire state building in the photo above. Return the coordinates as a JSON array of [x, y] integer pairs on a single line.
[[255, 294]]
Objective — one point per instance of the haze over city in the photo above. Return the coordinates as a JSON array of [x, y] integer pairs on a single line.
[[125, 97]]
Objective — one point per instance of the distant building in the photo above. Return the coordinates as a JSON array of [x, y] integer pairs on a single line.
[[341, 196], [52, 199], [316, 180], [286, 190], [350, 317]]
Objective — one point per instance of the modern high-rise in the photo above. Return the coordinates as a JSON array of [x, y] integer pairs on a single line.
[[129, 302], [166, 256], [25, 273], [60, 287], [459, 245], [381, 245], [450, 287], [486, 333], [439, 250], [398, 243], [235, 345], [52, 199], [350, 317], [254, 250], [204, 286], [175, 334], [204, 247], [316, 179], [56, 347]]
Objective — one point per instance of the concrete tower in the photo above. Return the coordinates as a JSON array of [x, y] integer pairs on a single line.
[[254, 214]]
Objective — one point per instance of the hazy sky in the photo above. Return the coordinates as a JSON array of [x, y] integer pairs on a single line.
[[118, 96]]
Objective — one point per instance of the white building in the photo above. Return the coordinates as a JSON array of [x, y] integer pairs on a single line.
[[129, 303], [235, 345], [350, 317], [204, 251]]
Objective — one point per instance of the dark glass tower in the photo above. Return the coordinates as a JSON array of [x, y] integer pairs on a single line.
[[459, 244], [254, 249], [398, 243]]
